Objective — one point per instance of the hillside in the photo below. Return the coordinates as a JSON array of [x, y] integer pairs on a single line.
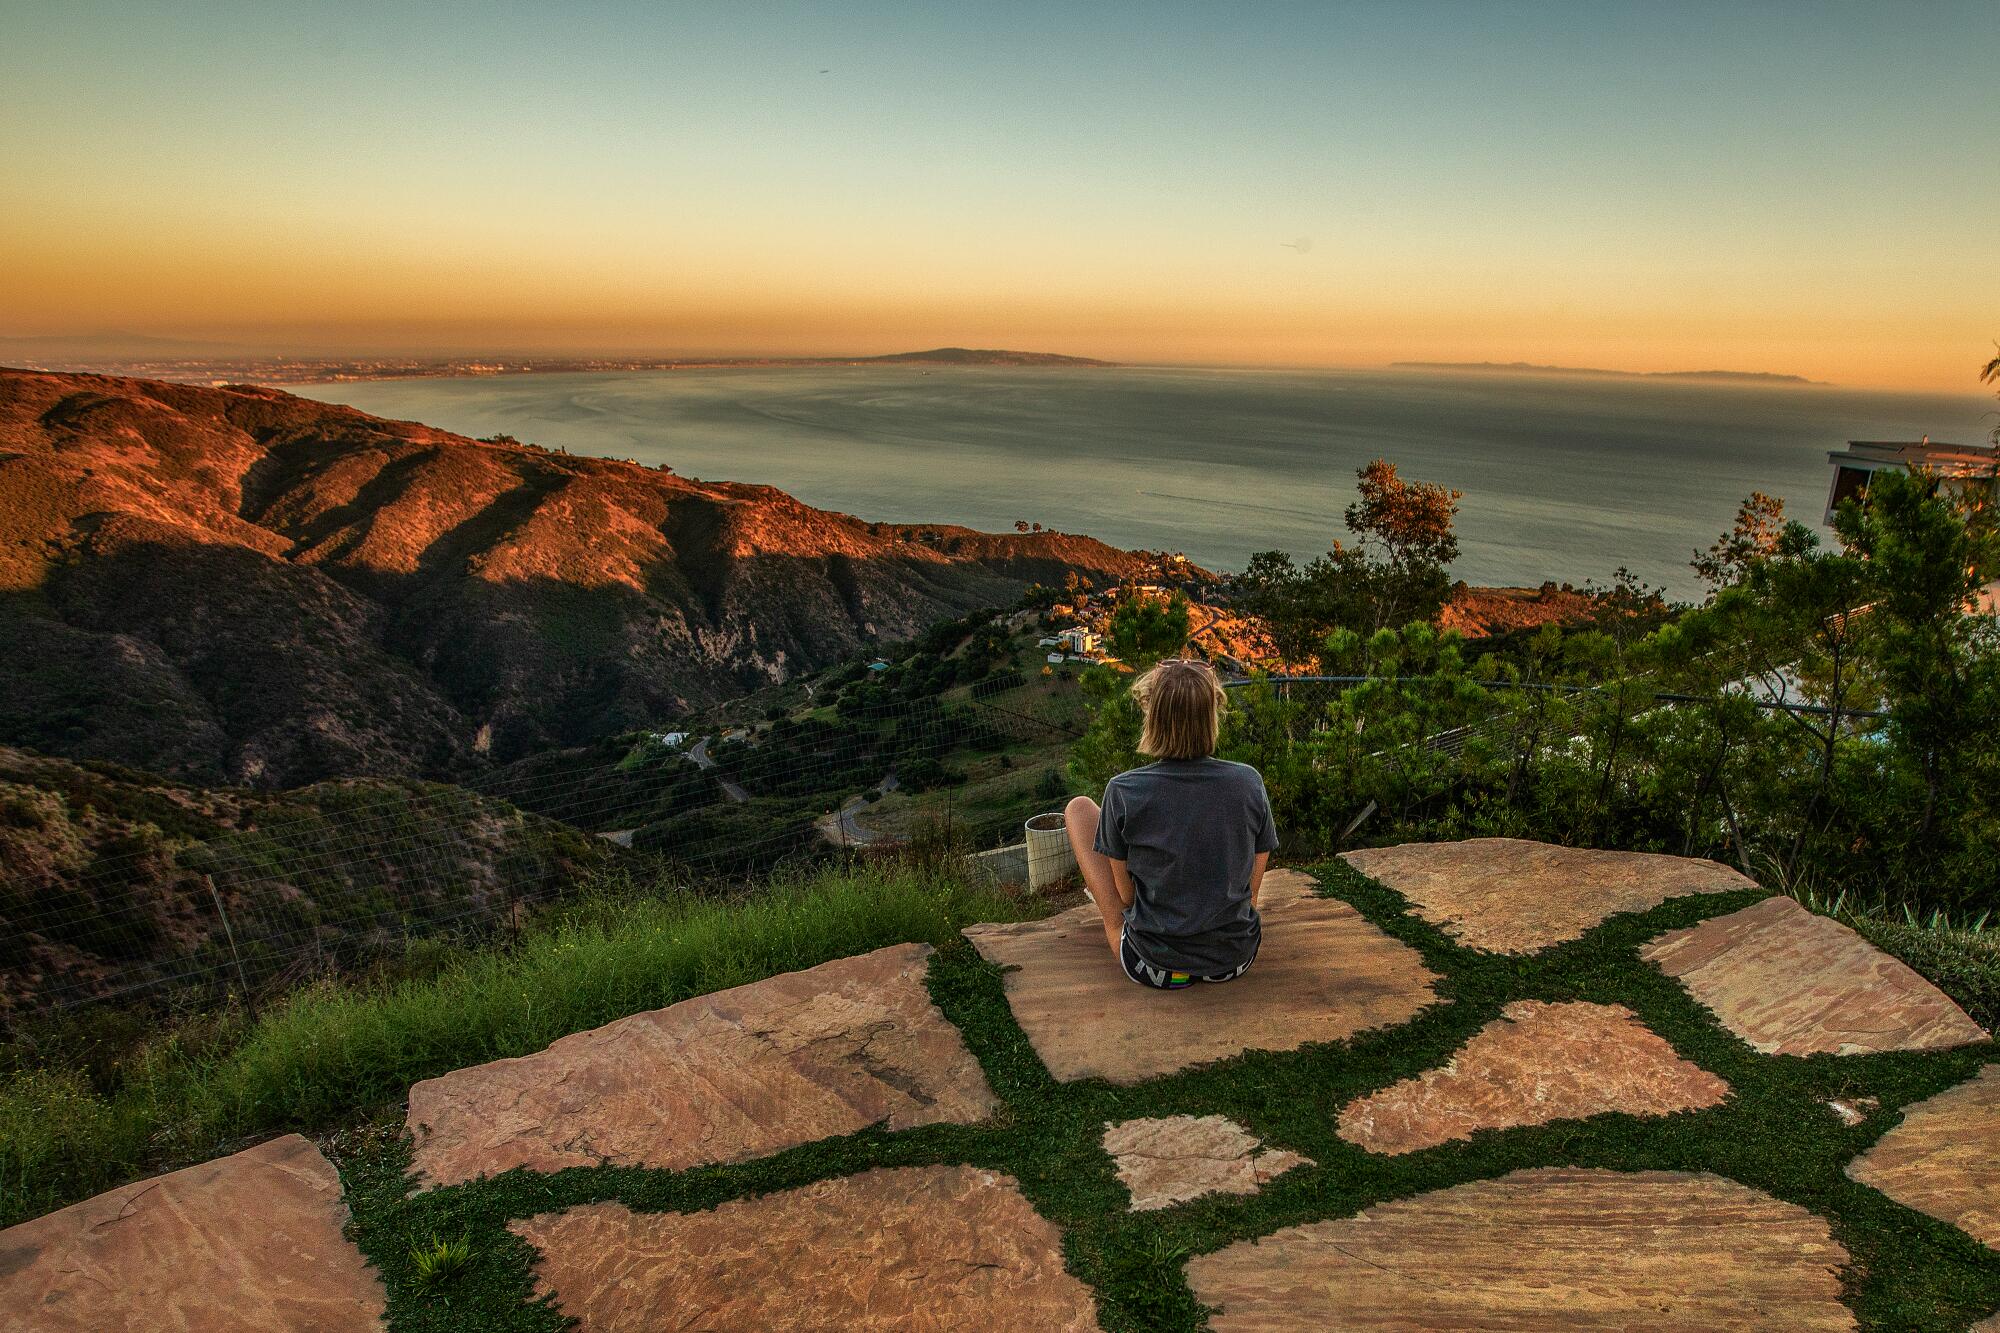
[[113, 877], [237, 585]]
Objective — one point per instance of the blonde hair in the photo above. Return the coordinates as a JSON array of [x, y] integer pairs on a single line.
[[1182, 701]]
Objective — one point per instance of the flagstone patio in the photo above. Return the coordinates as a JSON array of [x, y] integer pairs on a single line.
[[254, 1241], [1173, 1159]]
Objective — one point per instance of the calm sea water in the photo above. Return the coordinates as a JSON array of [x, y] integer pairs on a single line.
[[1564, 478]]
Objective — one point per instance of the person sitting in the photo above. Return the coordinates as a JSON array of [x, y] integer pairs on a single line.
[[1175, 857]]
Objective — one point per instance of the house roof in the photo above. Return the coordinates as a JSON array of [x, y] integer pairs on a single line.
[[1915, 453]]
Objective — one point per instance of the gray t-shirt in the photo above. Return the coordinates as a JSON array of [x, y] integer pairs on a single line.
[[1189, 831]]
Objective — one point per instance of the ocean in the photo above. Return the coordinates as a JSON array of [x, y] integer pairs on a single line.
[[1565, 478]]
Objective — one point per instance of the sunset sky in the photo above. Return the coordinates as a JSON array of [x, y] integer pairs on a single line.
[[1799, 187]]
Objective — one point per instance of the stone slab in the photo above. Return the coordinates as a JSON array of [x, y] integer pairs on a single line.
[[251, 1243], [718, 1078], [1173, 1159], [1536, 1063], [1791, 982], [918, 1248], [1557, 1248], [1508, 895], [1323, 973], [1944, 1158]]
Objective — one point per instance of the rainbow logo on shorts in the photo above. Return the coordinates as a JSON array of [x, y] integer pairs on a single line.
[[1179, 979]]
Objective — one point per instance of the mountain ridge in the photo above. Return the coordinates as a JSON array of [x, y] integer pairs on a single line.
[[238, 585]]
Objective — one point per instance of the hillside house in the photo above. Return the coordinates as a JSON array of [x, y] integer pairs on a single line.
[[1080, 641], [1965, 466]]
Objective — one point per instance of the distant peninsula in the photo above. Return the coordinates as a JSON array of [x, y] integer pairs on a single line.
[[1530, 368], [169, 359]]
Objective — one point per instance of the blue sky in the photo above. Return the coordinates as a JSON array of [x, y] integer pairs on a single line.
[[1801, 187]]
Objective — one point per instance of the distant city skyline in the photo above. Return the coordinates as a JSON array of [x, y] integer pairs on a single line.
[[1789, 188]]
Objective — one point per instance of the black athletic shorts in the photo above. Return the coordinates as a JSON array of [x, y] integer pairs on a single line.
[[1160, 978]]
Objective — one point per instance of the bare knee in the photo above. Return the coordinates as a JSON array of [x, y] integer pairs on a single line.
[[1080, 818]]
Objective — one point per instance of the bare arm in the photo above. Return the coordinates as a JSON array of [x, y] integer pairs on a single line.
[[1122, 877], [1256, 875]]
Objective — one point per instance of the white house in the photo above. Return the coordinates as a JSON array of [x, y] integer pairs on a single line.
[[1966, 465], [1081, 641]]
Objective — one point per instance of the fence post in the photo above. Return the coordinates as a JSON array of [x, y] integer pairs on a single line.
[[229, 933]]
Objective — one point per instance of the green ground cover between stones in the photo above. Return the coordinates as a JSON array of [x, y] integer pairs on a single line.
[[1908, 1271]]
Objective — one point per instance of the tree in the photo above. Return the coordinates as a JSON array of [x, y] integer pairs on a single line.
[[1020, 525], [1990, 374], [1394, 574], [1411, 519], [1281, 594], [1940, 674], [1760, 527], [1789, 618], [1145, 628], [1411, 524]]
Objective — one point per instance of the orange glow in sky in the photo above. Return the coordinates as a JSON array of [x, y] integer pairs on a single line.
[[1677, 187]]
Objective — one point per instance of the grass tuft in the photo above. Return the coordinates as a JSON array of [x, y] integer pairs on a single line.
[[438, 1261]]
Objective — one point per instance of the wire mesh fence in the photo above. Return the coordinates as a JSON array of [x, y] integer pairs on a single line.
[[260, 892]]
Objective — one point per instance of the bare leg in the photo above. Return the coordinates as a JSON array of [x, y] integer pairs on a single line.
[[1080, 822]]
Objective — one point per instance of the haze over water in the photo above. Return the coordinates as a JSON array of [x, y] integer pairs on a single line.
[[1564, 478]]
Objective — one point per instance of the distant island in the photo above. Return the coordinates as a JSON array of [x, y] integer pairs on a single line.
[[1529, 368], [214, 364], [968, 356]]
